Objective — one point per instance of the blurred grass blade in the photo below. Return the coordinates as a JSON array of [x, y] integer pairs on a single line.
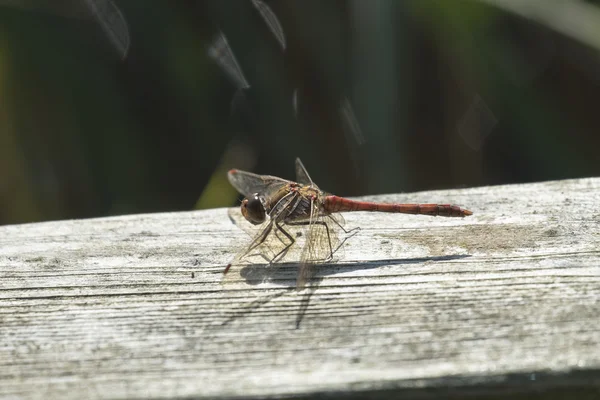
[[65, 8], [112, 22], [477, 123], [295, 102], [577, 19], [105, 12], [350, 123], [218, 191], [352, 133], [271, 20], [221, 52]]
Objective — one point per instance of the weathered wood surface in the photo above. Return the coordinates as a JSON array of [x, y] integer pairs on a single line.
[[132, 307]]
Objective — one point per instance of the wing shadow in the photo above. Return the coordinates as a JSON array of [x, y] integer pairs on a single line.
[[285, 274]]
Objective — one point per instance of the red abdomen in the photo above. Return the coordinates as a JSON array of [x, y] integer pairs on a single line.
[[339, 204]]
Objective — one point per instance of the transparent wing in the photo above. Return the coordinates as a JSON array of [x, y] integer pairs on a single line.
[[238, 220], [322, 242], [302, 175], [256, 258], [236, 217], [268, 243], [248, 183]]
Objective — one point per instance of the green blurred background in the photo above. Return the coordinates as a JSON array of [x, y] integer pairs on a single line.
[[446, 94]]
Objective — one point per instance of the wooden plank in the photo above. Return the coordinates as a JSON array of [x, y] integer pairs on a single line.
[[132, 306]]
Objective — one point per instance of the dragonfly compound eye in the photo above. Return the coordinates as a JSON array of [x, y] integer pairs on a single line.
[[253, 210]]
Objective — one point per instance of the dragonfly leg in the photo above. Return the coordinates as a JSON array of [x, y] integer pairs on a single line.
[[260, 239], [354, 231], [351, 233], [284, 251], [331, 251]]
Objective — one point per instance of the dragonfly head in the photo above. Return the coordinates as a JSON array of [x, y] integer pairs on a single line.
[[253, 209]]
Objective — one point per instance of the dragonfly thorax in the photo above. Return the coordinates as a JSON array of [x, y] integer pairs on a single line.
[[253, 209]]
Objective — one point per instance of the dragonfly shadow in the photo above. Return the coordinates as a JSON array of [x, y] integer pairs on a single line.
[[336, 268], [286, 274]]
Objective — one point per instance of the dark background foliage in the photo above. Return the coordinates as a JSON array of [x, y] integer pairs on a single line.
[[446, 94]]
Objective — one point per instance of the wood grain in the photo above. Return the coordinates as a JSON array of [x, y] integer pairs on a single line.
[[132, 306]]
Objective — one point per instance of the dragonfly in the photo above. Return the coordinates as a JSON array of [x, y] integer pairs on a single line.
[[277, 208]]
